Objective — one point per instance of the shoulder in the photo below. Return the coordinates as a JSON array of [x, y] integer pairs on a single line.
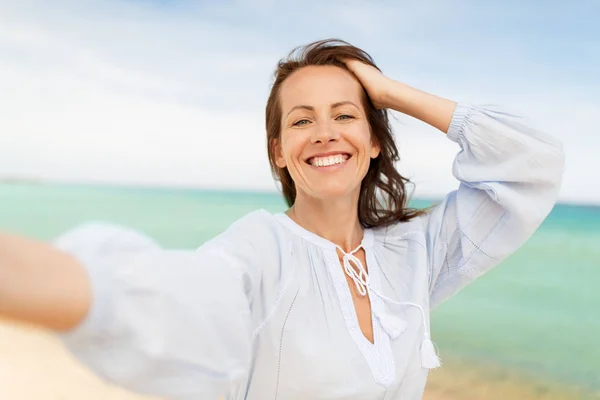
[[403, 257], [255, 240], [256, 221], [260, 243], [256, 230], [409, 231]]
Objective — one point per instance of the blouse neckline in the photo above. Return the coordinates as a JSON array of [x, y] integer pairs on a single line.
[[315, 239]]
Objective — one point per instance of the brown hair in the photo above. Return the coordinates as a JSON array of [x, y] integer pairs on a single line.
[[383, 197]]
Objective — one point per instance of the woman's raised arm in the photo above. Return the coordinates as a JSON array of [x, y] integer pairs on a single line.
[[509, 176]]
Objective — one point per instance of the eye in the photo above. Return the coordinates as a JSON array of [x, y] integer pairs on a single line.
[[344, 117], [301, 122]]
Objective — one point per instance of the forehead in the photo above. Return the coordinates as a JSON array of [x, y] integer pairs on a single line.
[[319, 85]]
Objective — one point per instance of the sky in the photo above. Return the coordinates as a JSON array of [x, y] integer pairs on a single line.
[[172, 93]]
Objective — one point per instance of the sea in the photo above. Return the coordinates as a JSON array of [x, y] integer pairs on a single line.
[[537, 313]]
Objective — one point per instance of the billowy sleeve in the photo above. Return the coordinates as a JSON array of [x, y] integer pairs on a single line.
[[509, 177], [168, 323]]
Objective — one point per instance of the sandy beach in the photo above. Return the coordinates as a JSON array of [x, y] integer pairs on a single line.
[[34, 365]]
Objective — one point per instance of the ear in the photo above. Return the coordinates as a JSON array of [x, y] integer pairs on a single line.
[[375, 150], [278, 153]]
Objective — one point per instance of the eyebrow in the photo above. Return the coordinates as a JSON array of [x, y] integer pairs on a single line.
[[311, 108]]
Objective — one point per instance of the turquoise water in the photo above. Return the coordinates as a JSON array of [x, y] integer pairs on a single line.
[[539, 312]]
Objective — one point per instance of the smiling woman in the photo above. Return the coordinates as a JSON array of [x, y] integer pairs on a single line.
[[337, 104], [329, 300]]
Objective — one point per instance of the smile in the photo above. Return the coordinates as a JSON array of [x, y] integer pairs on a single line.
[[328, 161]]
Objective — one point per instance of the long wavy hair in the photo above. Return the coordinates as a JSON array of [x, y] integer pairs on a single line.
[[383, 198]]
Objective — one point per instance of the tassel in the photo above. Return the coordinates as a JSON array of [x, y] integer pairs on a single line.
[[429, 358], [392, 325]]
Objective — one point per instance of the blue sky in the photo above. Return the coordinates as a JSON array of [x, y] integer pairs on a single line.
[[173, 92]]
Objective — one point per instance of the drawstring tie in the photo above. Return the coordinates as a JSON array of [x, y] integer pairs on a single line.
[[393, 325], [358, 273]]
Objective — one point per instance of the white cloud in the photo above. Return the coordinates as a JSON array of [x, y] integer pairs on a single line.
[[157, 94]]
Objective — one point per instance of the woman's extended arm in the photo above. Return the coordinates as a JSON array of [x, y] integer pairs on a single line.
[[176, 324], [41, 285]]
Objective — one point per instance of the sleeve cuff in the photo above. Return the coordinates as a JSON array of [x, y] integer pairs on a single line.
[[85, 243], [458, 120], [94, 323]]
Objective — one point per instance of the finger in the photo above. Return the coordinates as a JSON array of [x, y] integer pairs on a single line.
[[350, 63]]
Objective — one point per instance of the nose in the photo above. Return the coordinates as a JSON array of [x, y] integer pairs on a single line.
[[325, 133]]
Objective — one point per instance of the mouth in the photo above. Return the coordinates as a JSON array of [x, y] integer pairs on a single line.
[[328, 160]]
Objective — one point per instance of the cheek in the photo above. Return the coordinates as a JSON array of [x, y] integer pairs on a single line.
[[362, 139], [292, 148]]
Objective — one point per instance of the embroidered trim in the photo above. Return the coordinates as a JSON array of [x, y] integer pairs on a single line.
[[275, 306], [281, 344]]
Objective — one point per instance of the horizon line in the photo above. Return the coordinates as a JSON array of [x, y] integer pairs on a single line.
[[156, 186]]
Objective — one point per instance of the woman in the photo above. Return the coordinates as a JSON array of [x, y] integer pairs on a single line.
[[329, 300]]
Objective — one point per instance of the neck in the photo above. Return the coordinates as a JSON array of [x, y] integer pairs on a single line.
[[334, 220]]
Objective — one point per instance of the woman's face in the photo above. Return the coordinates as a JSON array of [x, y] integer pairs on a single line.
[[325, 136]]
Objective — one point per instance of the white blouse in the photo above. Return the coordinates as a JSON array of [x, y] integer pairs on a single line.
[[263, 311]]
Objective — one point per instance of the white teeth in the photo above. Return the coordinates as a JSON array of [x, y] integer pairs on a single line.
[[327, 161]]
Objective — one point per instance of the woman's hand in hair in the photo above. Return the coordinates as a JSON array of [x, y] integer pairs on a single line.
[[388, 93], [374, 81]]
